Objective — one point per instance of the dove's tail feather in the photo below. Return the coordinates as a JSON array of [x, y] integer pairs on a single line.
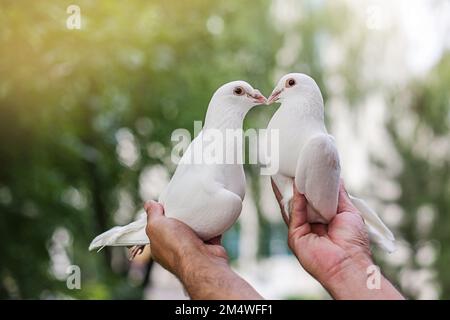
[[130, 235], [378, 232]]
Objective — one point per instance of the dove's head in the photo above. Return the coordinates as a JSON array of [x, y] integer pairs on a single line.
[[238, 94], [295, 86]]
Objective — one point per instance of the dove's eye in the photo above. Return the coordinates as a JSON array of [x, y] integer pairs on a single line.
[[290, 83], [238, 91]]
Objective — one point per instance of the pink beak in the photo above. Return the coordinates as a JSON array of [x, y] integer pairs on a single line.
[[258, 97], [274, 96]]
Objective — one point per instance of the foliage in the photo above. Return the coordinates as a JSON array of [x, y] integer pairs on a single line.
[[137, 71]]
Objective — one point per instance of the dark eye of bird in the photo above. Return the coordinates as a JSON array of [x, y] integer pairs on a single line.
[[238, 91], [291, 82]]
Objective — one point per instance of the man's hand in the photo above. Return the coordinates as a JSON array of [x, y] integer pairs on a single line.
[[173, 243], [337, 254], [201, 267]]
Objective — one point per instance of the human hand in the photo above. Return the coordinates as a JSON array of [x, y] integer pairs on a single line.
[[338, 254], [173, 243], [325, 249], [201, 266]]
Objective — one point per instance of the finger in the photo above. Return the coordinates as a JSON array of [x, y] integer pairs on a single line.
[[344, 201], [135, 251], [154, 210], [298, 220], [279, 197], [218, 251]]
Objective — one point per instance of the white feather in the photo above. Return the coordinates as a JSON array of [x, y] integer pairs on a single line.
[[130, 235], [378, 232]]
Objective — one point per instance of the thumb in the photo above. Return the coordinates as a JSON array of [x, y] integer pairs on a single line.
[[298, 221], [154, 210], [344, 201]]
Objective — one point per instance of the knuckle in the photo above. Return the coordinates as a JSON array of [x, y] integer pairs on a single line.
[[222, 252]]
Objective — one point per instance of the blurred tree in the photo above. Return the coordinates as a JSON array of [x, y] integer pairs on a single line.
[[420, 127], [84, 112]]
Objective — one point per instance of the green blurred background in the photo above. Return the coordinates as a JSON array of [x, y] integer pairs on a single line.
[[86, 118]]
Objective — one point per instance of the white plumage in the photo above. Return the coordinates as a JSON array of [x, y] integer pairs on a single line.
[[207, 196], [308, 156]]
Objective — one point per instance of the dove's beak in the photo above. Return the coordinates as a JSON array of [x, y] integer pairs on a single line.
[[274, 96], [258, 97]]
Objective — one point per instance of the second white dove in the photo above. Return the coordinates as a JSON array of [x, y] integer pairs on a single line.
[[309, 158]]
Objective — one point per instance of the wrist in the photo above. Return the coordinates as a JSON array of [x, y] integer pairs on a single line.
[[360, 278], [193, 266], [349, 277], [210, 277]]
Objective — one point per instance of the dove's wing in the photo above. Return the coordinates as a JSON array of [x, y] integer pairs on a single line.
[[317, 177], [198, 197], [207, 197]]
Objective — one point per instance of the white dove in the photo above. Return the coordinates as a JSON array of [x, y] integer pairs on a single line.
[[205, 194], [308, 156]]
